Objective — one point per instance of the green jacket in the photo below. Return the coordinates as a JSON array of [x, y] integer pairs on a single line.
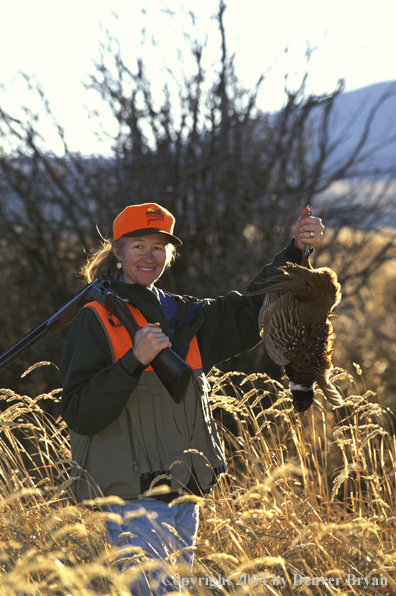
[[99, 394]]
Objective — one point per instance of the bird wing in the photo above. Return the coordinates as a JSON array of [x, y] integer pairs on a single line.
[[268, 301], [278, 322]]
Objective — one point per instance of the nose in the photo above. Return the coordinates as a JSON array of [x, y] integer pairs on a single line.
[[148, 255]]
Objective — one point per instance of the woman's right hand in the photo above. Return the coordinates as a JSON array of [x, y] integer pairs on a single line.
[[309, 230], [149, 341]]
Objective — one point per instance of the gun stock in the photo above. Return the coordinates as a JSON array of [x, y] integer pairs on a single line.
[[173, 371]]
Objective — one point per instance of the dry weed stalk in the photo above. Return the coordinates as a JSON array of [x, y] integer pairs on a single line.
[[305, 497], [310, 496], [366, 317]]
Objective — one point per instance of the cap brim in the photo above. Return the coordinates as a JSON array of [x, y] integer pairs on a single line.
[[148, 231]]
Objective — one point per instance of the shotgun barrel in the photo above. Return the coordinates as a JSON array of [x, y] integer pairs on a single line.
[[58, 321]]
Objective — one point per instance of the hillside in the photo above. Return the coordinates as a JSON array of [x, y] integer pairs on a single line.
[[348, 122]]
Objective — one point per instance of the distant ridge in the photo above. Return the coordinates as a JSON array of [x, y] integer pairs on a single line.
[[350, 114]]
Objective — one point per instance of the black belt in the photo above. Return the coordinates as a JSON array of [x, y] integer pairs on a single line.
[[147, 478]]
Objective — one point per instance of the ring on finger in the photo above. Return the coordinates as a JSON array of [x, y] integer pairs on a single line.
[[311, 234]]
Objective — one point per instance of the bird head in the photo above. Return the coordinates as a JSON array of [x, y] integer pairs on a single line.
[[302, 397]]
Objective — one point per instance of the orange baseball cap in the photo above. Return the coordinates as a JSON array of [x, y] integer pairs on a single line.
[[141, 220]]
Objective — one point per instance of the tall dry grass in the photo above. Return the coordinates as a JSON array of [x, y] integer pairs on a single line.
[[365, 322], [310, 496]]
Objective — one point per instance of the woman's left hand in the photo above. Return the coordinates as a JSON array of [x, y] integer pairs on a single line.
[[309, 230]]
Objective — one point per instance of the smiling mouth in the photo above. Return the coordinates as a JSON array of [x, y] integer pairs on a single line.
[[146, 269]]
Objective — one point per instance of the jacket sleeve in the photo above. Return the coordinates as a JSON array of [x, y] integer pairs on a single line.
[[230, 324], [95, 390]]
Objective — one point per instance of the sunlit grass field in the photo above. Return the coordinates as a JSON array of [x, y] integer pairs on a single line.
[[365, 322], [308, 505]]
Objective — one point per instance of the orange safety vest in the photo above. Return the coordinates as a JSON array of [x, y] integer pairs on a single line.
[[151, 435], [120, 341]]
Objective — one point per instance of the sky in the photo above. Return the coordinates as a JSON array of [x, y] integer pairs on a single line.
[[58, 40]]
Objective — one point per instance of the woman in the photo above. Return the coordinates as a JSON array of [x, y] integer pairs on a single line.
[[127, 434]]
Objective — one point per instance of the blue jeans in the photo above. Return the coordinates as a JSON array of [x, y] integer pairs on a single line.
[[145, 529]]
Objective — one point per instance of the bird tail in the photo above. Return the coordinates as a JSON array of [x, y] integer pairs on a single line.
[[331, 393], [291, 278]]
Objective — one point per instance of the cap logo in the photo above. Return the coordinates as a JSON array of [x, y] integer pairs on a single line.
[[154, 215]]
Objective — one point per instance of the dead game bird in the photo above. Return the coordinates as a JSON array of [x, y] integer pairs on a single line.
[[296, 331]]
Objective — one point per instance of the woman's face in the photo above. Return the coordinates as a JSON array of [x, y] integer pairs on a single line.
[[143, 259]]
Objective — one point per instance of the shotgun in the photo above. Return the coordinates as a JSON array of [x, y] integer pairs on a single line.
[[172, 370]]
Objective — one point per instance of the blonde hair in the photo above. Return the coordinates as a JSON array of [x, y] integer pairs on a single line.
[[102, 260]]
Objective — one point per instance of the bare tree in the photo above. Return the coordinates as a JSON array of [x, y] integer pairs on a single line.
[[235, 178]]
